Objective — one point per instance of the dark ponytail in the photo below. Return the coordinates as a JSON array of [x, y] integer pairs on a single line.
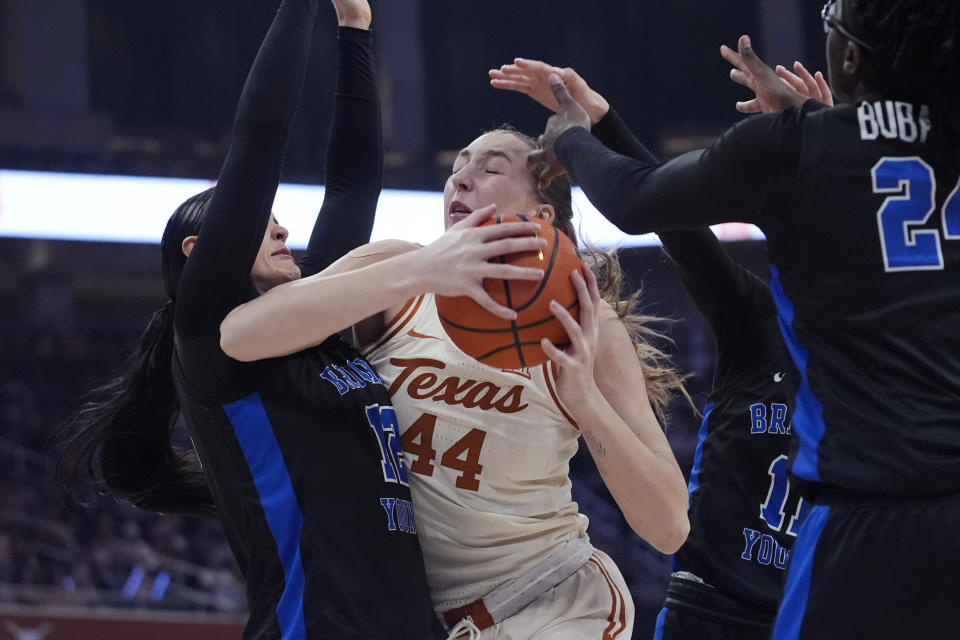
[[121, 437]]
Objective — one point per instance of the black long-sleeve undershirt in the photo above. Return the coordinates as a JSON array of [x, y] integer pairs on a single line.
[[217, 276], [732, 299], [729, 181], [354, 167]]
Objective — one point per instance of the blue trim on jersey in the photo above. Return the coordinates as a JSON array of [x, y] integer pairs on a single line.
[[661, 619], [808, 410], [796, 591], [694, 483], [262, 451]]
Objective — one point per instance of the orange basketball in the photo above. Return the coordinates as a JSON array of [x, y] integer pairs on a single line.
[[513, 344]]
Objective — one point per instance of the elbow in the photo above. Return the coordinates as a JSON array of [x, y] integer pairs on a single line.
[[234, 342], [617, 212], [669, 533], [673, 535]]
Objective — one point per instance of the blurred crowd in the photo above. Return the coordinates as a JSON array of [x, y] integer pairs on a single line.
[[86, 549]]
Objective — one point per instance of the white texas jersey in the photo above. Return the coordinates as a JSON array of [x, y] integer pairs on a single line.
[[487, 452]]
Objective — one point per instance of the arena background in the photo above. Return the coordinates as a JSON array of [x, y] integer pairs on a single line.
[[128, 88]]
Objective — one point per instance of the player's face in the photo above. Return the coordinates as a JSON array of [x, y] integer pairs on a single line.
[[274, 263], [490, 170]]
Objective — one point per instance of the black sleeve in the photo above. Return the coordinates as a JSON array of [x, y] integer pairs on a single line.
[[354, 167], [729, 296], [729, 181], [614, 133], [216, 277]]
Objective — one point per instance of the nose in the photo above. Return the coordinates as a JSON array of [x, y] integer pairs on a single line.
[[281, 233], [462, 180]]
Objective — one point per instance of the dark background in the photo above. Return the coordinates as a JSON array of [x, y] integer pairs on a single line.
[[148, 88]]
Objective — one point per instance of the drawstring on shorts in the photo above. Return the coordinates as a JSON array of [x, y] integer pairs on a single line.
[[465, 624]]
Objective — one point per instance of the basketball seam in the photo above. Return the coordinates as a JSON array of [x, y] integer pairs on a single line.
[[546, 272], [503, 348], [569, 307], [513, 323]]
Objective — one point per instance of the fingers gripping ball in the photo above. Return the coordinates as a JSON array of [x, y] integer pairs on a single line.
[[512, 344]]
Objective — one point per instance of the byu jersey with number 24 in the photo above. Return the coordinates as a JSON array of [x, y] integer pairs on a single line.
[[487, 453]]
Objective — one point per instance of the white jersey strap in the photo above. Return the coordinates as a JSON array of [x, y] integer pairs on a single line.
[[515, 594]]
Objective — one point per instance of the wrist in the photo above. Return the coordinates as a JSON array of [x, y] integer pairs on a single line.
[[357, 22], [596, 107], [586, 406]]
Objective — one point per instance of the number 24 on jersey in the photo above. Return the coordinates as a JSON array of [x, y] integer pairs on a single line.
[[915, 185]]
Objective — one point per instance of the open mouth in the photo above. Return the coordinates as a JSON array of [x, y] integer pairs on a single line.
[[458, 210]]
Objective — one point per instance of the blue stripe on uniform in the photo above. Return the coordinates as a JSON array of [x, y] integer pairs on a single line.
[[796, 592], [808, 410], [279, 502], [694, 483], [661, 619]]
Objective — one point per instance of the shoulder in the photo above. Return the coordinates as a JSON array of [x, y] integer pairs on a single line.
[[381, 250], [760, 133], [371, 253]]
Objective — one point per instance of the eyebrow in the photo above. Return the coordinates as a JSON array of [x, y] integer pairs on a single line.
[[465, 153]]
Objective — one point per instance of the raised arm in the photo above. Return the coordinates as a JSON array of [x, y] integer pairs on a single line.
[[721, 288], [601, 382], [216, 277], [300, 314], [727, 294], [354, 162]]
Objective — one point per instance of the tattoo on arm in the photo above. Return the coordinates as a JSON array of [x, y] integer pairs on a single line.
[[594, 443]]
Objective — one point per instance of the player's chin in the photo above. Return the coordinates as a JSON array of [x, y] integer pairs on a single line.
[[287, 273], [293, 273]]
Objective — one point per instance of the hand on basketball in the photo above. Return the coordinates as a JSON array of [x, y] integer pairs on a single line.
[[532, 78], [575, 364], [544, 162], [458, 261], [774, 92], [353, 13]]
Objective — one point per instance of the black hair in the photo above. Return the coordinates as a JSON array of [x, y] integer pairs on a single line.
[[918, 50], [121, 438]]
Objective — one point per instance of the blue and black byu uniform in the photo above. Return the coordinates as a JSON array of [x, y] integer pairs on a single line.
[[301, 452], [861, 209], [744, 517]]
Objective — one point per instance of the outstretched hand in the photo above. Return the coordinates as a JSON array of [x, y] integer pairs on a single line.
[[775, 90], [532, 78], [544, 162], [457, 263]]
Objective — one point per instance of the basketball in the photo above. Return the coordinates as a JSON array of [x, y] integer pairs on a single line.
[[515, 344]]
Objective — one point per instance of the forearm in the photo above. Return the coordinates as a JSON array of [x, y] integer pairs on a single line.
[[354, 161], [304, 313], [647, 486], [639, 196], [217, 275], [613, 132], [272, 90]]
